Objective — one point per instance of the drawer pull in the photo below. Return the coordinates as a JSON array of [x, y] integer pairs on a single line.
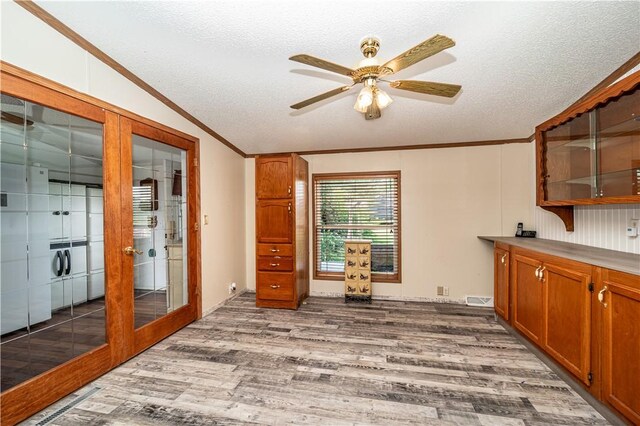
[[274, 250], [289, 190], [503, 257], [274, 286], [601, 296], [274, 264]]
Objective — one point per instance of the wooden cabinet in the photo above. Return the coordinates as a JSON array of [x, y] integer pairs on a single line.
[[590, 154], [552, 307], [282, 231], [501, 281], [276, 178], [567, 315], [585, 317], [527, 296], [274, 221], [620, 305]]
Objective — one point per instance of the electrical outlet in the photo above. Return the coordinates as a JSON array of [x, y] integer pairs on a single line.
[[632, 229], [232, 288], [442, 290]]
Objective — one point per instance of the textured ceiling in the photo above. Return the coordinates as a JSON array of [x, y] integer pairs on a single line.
[[226, 63]]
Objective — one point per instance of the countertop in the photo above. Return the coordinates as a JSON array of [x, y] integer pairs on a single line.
[[610, 259]]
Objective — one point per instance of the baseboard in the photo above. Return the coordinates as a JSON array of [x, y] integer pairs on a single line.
[[393, 298], [224, 302]]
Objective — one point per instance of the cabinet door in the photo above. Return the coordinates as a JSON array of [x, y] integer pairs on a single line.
[[527, 305], [274, 221], [567, 316], [501, 282], [621, 342], [273, 177]]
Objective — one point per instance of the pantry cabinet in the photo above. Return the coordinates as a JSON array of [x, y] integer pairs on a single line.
[[282, 244]]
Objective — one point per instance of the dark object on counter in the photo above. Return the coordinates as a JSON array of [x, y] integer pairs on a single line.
[[520, 232], [527, 234]]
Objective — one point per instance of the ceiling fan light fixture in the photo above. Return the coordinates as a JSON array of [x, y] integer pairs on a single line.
[[365, 98], [382, 99]]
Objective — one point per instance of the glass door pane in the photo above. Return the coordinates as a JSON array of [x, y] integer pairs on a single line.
[[159, 192], [619, 146], [51, 165], [570, 161]]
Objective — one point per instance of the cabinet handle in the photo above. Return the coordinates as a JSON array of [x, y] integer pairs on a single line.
[[57, 213], [503, 257], [65, 213], [60, 263], [289, 190], [67, 256], [275, 250], [274, 286], [601, 296], [538, 272], [275, 264], [289, 208], [541, 279]]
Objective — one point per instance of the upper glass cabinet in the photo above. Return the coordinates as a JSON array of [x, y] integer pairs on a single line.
[[591, 154]]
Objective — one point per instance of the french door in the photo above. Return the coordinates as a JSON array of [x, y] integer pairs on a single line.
[[159, 232], [99, 245]]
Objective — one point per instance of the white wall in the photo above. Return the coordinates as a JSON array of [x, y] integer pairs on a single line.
[[29, 43], [449, 196]]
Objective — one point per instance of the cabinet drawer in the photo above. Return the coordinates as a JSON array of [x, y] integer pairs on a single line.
[[275, 263], [275, 286], [275, 250]]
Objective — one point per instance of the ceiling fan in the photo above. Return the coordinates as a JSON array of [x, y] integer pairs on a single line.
[[371, 99]]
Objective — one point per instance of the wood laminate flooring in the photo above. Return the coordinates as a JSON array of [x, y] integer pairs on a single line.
[[332, 363]]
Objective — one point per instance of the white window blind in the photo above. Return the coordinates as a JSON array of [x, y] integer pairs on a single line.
[[357, 206]]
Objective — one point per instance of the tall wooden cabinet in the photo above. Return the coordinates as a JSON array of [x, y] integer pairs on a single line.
[[282, 231]]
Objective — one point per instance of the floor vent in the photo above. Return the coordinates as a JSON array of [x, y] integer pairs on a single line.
[[482, 301], [59, 412]]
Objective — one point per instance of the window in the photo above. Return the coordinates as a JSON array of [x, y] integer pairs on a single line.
[[357, 206]]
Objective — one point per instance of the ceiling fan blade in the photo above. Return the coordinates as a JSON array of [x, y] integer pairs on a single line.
[[428, 87], [318, 98], [321, 63], [427, 48]]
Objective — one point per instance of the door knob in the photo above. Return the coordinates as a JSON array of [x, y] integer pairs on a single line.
[[130, 250]]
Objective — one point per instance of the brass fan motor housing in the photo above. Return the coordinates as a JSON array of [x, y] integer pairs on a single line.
[[374, 71]]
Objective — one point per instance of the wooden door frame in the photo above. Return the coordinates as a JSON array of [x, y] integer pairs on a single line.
[[151, 333], [35, 394]]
